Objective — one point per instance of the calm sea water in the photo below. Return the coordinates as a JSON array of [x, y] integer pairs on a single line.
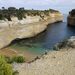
[[45, 41]]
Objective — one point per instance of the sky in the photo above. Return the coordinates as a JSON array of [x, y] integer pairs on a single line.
[[63, 6]]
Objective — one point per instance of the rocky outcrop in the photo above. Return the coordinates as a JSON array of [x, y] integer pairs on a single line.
[[18, 30], [71, 18]]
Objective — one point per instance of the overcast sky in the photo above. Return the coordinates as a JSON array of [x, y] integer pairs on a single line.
[[62, 5]]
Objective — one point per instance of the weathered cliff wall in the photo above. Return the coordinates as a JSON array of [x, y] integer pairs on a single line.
[[71, 18], [15, 21], [25, 30]]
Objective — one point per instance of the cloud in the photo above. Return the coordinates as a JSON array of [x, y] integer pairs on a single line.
[[39, 4]]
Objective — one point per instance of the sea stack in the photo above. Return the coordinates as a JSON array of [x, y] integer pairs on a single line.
[[71, 18]]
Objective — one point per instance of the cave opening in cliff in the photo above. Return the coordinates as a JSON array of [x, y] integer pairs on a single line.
[[27, 44], [21, 42]]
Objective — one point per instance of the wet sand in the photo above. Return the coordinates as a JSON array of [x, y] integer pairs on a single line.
[[10, 52]]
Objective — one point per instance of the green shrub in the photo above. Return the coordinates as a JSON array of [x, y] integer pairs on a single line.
[[19, 59], [9, 60], [15, 73], [5, 68]]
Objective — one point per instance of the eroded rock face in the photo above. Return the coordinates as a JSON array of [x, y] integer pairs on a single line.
[[71, 42], [71, 18], [14, 21], [8, 34], [65, 44]]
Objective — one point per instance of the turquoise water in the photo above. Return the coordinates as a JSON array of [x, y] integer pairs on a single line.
[[34, 48], [22, 45]]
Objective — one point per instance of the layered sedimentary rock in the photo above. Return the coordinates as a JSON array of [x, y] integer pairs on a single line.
[[14, 29], [71, 18]]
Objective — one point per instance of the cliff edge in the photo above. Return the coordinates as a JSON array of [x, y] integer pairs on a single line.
[[25, 28], [71, 18]]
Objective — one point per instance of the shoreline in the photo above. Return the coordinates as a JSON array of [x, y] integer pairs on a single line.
[[53, 63], [33, 59], [24, 31]]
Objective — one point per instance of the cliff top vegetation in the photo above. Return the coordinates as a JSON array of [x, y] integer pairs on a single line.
[[21, 13], [72, 12]]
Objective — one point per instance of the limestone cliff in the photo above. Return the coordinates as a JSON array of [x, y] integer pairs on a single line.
[[29, 27], [71, 18]]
